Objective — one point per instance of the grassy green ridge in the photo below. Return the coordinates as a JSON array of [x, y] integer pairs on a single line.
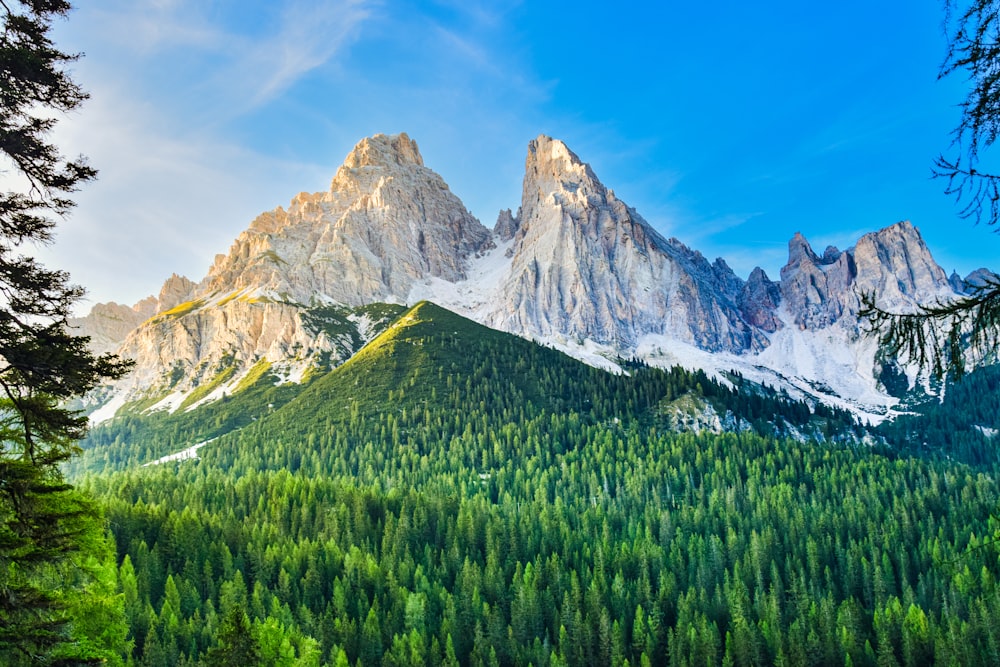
[[429, 356], [432, 361]]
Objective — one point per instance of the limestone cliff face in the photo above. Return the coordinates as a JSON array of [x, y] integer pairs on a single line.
[[177, 351], [109, 324], [386, 221], [585, 265], [893, 263]]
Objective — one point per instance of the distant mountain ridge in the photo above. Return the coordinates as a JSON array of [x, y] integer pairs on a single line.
[[575, 268]]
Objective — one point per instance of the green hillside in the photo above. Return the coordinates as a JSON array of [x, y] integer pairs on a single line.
[[433, 357], [429, 356], [455, 495], [963, 425]]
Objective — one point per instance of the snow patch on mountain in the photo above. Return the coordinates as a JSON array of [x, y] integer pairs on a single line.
[[183, 455], [473, 296], [109, 409]]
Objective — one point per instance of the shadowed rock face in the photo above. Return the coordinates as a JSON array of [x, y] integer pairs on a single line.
[[892, 263], [758, 301]]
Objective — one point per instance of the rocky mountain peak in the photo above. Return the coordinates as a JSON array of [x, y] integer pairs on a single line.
[[831, 254], [895, 264], [386, 222], [176, 290], [384, 150], [977, 278], [553, 171], [584, 265], [799, 250]]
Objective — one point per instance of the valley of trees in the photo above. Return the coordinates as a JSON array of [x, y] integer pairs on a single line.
[[457, 496]]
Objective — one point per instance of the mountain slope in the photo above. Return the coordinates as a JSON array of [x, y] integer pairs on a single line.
[[432, 361], [576, 268]]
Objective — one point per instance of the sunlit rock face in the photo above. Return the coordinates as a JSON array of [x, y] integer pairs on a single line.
[[386, 221], [585, 265]]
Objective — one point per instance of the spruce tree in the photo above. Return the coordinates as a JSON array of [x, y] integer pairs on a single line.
[[44, 524], [237, 645]]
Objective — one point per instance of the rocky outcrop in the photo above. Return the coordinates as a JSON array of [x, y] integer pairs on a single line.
[[587, 266], [758, 301], [507, 225], [175, 291], [893, 263], [386, 221]]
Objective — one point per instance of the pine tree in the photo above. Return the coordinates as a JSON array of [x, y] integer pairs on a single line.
[[236, 646], [44, 523]]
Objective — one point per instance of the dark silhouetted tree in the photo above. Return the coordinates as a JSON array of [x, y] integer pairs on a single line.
[[44, 523]]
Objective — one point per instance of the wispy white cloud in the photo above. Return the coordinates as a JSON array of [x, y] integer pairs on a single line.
[[162, 203], [146, 27], [175, 185], [225, 65], [307, 36]]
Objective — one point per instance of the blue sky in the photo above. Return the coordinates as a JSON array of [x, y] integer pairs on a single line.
[[730, 125]]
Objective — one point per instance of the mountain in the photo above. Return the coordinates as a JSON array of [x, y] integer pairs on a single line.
[[575, 268], [820, 349], [585, 265], [385, 221]]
